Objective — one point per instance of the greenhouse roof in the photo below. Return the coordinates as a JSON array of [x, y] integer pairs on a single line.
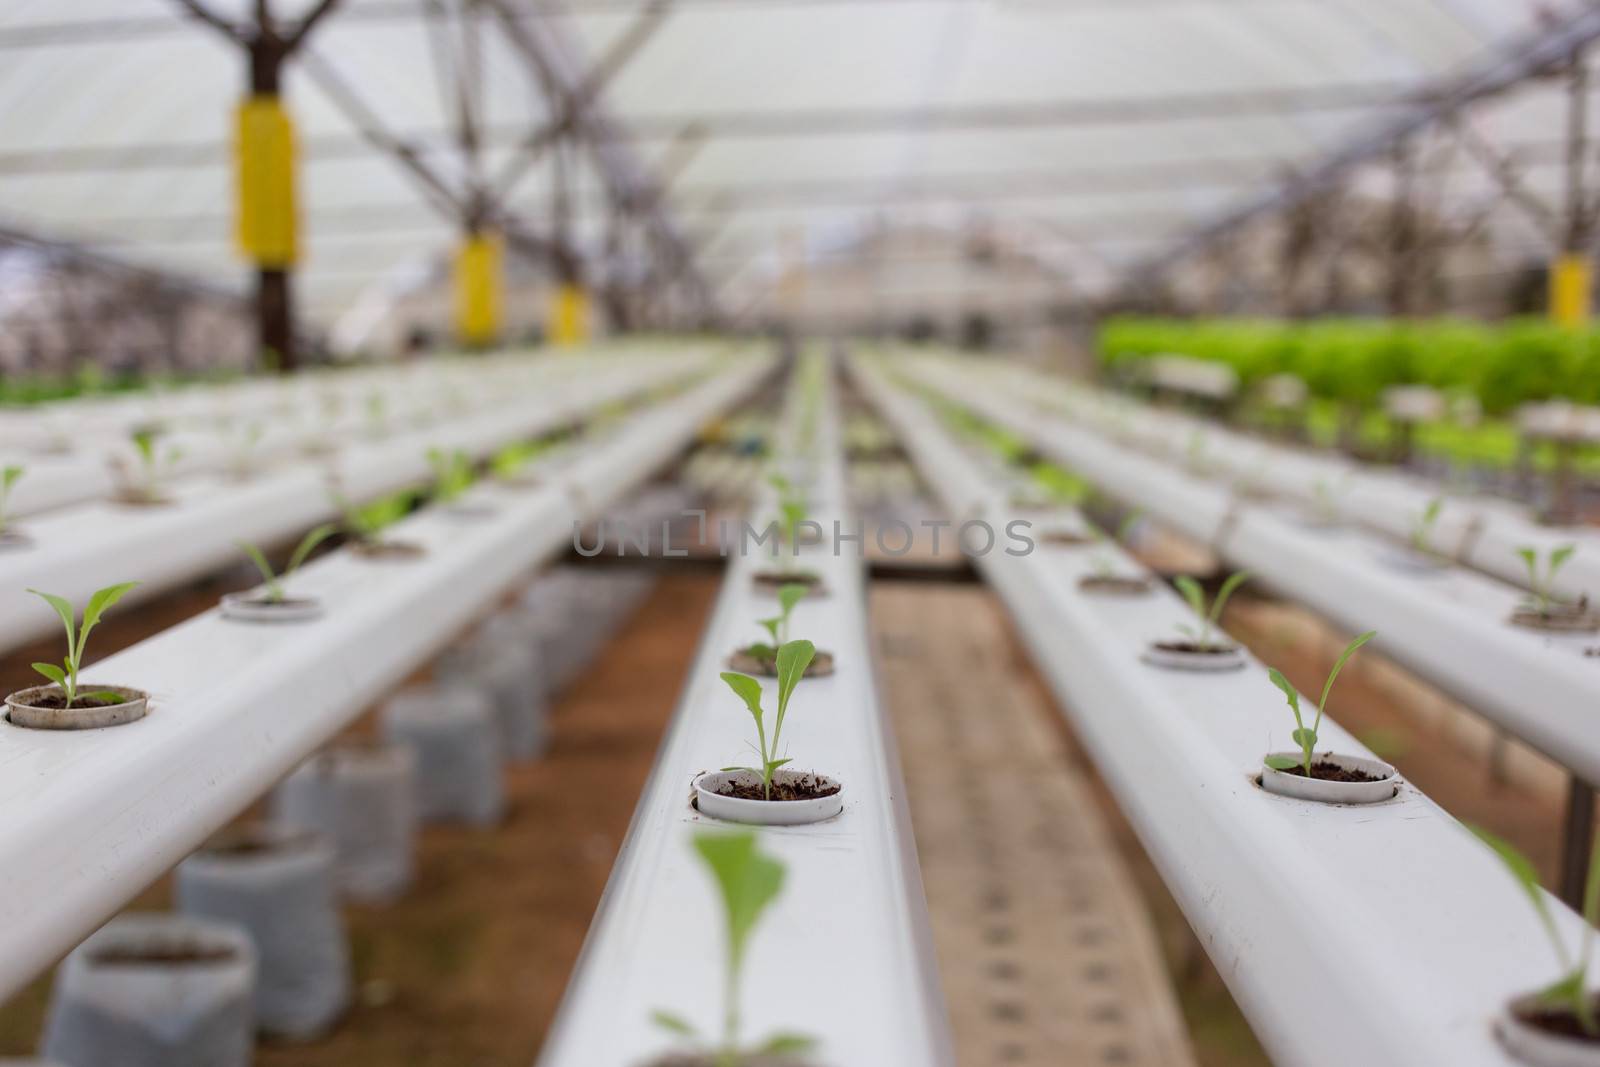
[[1095, 132]]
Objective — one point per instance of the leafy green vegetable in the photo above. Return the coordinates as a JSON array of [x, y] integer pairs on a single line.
[[274, 582], [1567, 991], [793, 659], [9, 476], [747, 882], [1542, 585], [1196, 596], [1305, 737], [66, 676]]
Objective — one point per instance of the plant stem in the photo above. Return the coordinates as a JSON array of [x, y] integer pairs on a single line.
[[728, 1055]]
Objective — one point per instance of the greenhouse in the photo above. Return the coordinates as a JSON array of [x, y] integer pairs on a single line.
[[799, 533]]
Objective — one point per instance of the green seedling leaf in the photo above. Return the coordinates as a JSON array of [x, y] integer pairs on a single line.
[[786, 1045], [103, 696], [1192, 593], [1344, 657], [98, 603], [52, 672], [763, 651], [793, 659], [771, 626], [789, 595], [68, 616], [677, 1024], [1526, 876], [1281, 763], [1304, 737], [308, 544], [268, 576], [746, 689], [1233, 582], [748, 881]]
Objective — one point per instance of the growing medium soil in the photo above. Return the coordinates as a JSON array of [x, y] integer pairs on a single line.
[[1559, 1021], [1194, 648], [1115, 585], [55, 700], [168, 956], [800, 787], [1323, 771]]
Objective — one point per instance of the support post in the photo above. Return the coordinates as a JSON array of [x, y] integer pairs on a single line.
[[1577, 841]]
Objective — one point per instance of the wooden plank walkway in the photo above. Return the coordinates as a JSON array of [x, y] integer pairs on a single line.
[[1045, 950]]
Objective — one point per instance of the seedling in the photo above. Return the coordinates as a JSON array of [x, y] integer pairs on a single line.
[[778, 626], [242, 460], [152, 465], [1422, 528], [791, 510], [366, 522], [9, 476], [66, 675], [1200, 636], [273, 581], [1101, 563], [1325, 501], [377, 414], [1542, 588], [452, 474], [793, 659], [1061, 486], [1307, 738], [508, 463], [1568, 991], [748, 883]]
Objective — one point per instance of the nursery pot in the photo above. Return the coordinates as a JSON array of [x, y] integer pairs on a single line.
[[771, 580], [709, 798], [1318, 523], [1183, 656], [1065, 535], [1115, 584], [151, 990], [40, 708], [361, 796], [387, 550], [253, 606], [138, 499], [821, 665], [470, 510], [1544, 1036], [1385, 783], [1413, 562], [1560, 619], [277, 883]]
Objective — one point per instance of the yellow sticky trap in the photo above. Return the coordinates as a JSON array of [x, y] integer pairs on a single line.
[[1571, 281], [478, 302], [569, 316], [264, 162]]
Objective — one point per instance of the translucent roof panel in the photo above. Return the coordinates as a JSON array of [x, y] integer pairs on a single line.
[[1106, 128]]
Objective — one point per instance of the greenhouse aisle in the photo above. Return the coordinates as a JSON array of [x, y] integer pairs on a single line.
[[1046, 952]]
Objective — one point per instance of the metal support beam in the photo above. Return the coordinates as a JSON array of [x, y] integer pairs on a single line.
[[550, 58], [1544, 49]]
